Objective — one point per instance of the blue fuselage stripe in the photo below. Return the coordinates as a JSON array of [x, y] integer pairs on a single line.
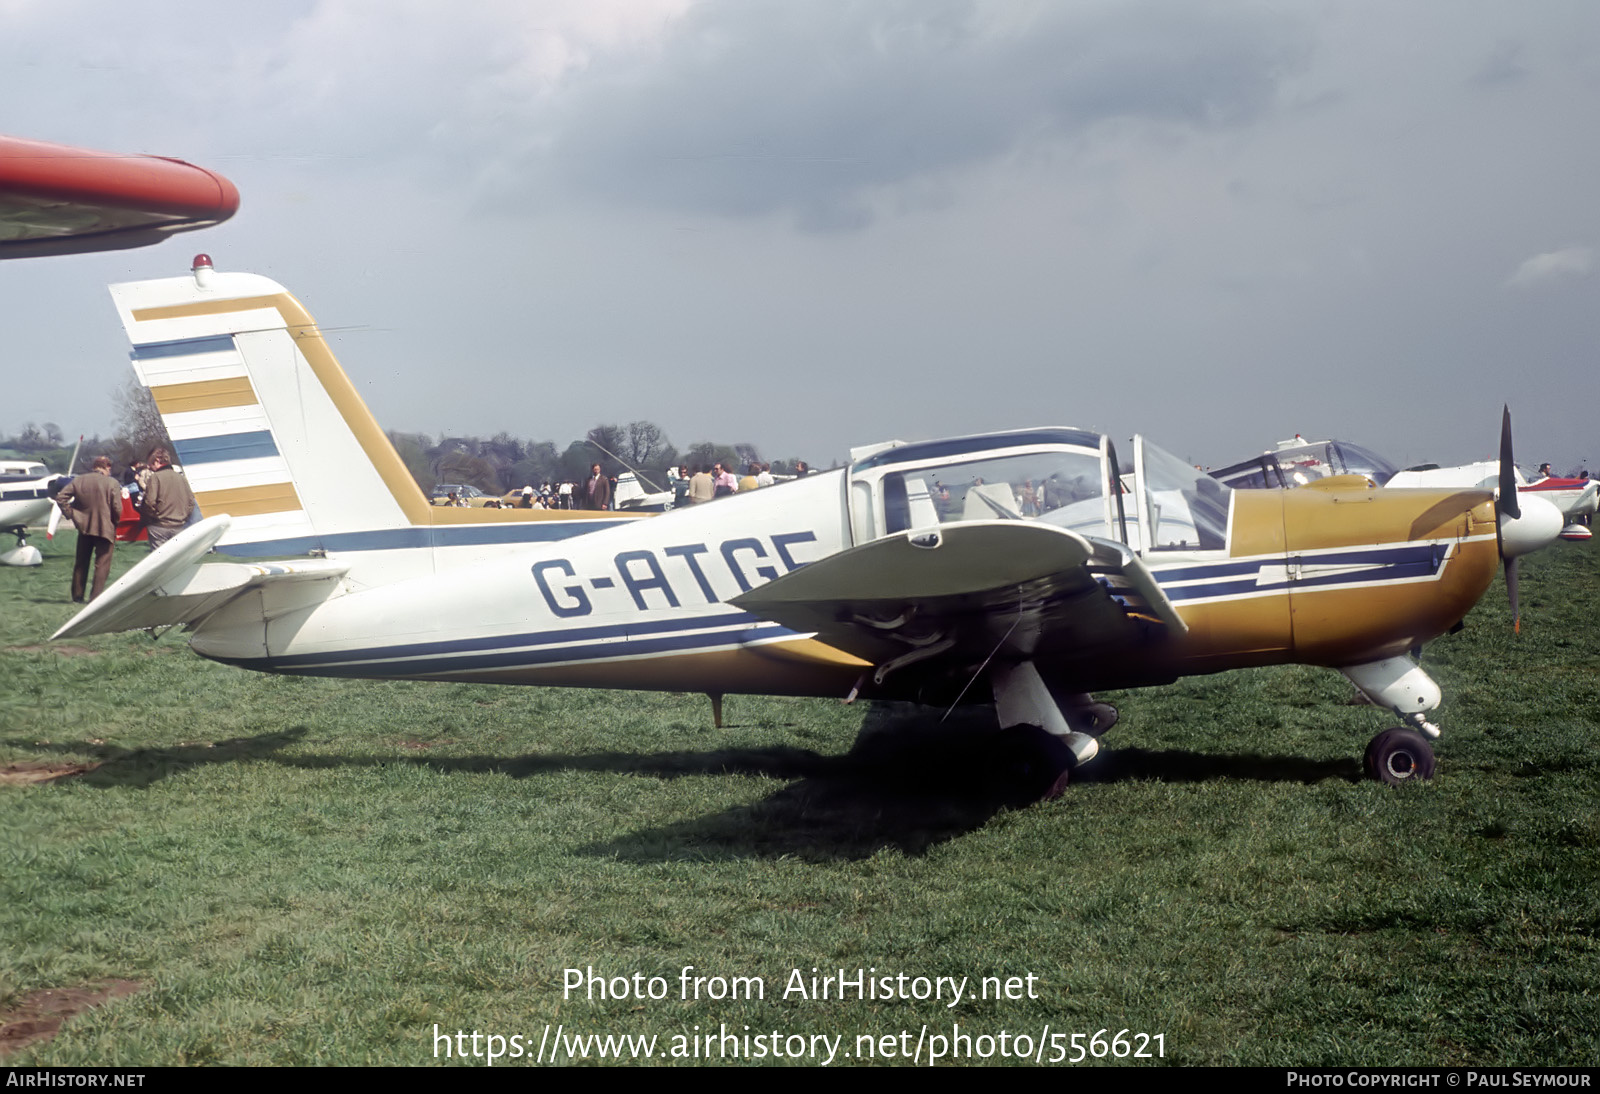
[[428, 659], [722, 620], [440, 535], [1405, 561]]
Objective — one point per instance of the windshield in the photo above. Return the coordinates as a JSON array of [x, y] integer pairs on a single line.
[[1187, 509]]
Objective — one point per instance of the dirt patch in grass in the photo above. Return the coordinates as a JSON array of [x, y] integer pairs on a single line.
[[39, 1015], [40, 771]]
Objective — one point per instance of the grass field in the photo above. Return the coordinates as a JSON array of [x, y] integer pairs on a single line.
[[312, 871]]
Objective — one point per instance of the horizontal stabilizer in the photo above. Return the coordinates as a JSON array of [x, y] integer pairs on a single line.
[[174, 585]]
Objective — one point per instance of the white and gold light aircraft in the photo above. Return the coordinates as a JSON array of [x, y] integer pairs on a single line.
[[1025, 568]]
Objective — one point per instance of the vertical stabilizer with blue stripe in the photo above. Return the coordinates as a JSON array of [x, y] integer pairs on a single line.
[[265, 423]]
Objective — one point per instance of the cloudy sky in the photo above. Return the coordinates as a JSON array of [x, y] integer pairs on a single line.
[[815, 225]]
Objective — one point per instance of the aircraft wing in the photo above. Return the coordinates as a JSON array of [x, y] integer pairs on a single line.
[[963, 592], [175, 586], [56, 199]]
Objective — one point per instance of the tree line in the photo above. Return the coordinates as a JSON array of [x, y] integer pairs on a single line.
[[496, 465]]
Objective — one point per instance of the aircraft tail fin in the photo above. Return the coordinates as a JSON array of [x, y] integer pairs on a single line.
[[266, 425]]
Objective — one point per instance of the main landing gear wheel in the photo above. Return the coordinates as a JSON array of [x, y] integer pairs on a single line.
[[1038, 763], [1398, 756]]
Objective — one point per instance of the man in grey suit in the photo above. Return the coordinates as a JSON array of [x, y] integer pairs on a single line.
[[93, 501]]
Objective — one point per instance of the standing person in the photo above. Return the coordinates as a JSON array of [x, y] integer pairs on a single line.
[[764, 477], [135, 478], [93, 501], [726, 485], [167, 500], [701, 488], [597, 491]]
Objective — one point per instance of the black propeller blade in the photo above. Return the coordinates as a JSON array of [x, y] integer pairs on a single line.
[[1507, 501], [1506, 508]]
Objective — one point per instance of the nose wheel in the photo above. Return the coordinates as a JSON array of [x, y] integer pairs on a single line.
[[1398, 756]]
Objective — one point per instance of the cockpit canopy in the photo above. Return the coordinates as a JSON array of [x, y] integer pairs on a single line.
[[1067, 477], [1298, 462]]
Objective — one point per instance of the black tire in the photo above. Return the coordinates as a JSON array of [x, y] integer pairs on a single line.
[[1398, 756], [1038, 763]]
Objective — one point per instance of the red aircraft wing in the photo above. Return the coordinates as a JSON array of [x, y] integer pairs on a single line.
[[56, 199]]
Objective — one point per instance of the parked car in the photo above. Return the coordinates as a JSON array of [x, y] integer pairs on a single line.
[[470, 494]]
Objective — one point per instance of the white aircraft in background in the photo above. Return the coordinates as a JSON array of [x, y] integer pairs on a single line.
[[631, 497], [1577, 499], [27, 498], [1299, 462], [1015, 568]]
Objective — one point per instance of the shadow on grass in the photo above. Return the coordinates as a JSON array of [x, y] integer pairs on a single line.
[[912, 791], [113, 766], [909, 782]]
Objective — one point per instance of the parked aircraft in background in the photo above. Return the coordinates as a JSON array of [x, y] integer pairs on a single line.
[[631, 496], [1575, 498], [27, 498], [1010, 568], [26, 492], [1299, 462]]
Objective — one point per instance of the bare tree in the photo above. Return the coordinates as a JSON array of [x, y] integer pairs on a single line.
[[646, 444], [138, 426]]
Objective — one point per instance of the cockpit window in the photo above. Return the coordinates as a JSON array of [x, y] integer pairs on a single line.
[[1060, 487], [1156, 502]]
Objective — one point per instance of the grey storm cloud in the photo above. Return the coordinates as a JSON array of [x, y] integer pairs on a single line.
[[760, 108]]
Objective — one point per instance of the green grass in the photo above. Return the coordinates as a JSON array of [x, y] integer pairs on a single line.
[[316, 871]]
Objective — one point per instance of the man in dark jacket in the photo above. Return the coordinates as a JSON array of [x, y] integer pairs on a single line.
[[93, 502], [167, 500], [597, 491]]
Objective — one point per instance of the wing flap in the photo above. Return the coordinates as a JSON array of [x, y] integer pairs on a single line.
[[175, 586]]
